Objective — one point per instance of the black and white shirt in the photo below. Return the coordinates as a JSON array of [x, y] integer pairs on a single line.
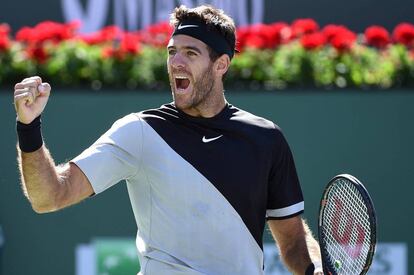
[[200, 188]]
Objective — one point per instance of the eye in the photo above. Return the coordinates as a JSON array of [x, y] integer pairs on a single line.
[[191, 53], [171, 51]]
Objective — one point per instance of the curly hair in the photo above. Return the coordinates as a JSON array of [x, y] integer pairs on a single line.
[[212, 17]]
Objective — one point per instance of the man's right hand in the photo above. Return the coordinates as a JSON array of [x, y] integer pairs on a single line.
[[30, 98]]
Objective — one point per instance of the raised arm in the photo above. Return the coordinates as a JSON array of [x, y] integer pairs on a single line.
[[297, 246], [48, 187]]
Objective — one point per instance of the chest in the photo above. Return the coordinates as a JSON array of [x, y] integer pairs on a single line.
[[235, 162]]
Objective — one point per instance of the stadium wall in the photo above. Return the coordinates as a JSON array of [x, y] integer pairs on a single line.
[[365, 133]]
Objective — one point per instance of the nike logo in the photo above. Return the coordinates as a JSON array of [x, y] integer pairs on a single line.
[[186, 26], [207, 140]]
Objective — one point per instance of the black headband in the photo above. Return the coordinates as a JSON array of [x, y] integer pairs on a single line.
[[211, 37]]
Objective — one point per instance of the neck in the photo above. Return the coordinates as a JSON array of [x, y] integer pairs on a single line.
[[208, 108], [213, 104], [214, 108]]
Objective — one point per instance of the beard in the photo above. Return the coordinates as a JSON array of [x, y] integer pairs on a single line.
[[202, 88]]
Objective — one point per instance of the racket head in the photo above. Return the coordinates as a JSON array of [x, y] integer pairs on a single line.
[[346, 227]]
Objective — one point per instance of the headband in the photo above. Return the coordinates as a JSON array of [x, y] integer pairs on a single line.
[[212, 37]]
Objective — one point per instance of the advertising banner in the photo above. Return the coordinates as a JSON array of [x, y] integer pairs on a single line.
[[118, 256]]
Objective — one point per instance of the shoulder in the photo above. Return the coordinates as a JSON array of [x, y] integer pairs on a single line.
[[255, 123], [166, 111], [135, 123], [126, 123], [134, 119], [123, 129]]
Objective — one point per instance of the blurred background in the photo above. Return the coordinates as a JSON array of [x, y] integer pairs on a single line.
[[337, 76]]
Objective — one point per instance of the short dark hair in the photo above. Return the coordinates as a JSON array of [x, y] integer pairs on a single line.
[[213, 18]]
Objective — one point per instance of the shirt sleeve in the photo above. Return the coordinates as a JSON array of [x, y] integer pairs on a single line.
[[115, 156], [285, 197]]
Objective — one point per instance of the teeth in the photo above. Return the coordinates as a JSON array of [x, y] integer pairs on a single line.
[[181, 77]]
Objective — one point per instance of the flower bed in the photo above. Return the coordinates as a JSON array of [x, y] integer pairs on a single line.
[[272, 56]]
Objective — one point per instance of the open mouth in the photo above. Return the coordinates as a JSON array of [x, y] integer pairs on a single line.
[[182, 83]]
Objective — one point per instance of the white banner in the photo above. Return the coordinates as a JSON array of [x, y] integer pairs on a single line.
[[389, 259], [137, 14]]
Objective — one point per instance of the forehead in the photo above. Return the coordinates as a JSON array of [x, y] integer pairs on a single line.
[[185, 41]]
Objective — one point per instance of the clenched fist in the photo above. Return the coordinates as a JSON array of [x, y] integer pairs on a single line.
[[30, 98]]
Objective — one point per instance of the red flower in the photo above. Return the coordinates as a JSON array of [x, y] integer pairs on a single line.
[[304, 26], [273, 34], [331, 30], [130, 43], [107, 34], [261, 36], [340, 37], [110, 33], [4, 43], [25, 34], [241, 35], [47, 31], [283, 32], [248, 37], [157, 35], [255, 41], [4, 37], [404, 34], [91, 39], [37, 52], [313, 40], [110, 52], [377, 36], [344, 40]]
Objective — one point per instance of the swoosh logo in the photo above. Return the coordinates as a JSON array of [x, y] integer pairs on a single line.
[[186, 26], [207, 140]]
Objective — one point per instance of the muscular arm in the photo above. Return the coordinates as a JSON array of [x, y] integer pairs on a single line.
[[297, 246], [49, 187]]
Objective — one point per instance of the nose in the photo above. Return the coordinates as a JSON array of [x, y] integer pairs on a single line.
[[177, 61]]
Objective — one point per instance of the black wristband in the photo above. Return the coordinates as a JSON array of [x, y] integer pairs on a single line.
[[30, 135], [310, 269]]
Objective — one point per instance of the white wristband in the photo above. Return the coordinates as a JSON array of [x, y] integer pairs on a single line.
[[318, 267]]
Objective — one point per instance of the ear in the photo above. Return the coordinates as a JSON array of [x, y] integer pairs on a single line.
[[222, 64]]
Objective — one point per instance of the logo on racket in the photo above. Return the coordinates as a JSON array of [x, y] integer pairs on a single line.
[[344, 227]]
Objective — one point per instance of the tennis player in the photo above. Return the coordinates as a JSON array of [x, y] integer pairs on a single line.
[[203, 176]]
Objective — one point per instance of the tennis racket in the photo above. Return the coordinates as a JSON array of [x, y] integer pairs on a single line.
[[346, 227]]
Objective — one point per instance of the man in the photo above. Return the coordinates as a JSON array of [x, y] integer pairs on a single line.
[[202, 175]]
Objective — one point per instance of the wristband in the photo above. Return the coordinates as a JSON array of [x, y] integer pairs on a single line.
[[314, 267], [318, 267], [30, 135]]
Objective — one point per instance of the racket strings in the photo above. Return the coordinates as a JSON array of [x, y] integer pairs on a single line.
[[346, 227]]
